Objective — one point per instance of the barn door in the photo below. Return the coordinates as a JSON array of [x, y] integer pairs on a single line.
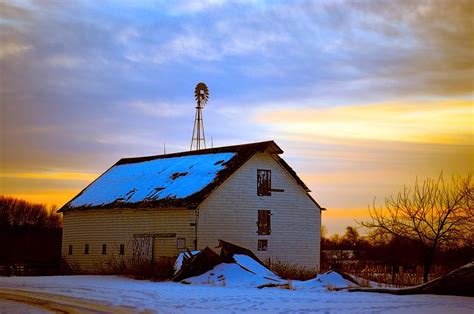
[[142, 249], [164, 247]]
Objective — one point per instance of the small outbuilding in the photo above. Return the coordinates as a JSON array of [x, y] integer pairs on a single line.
[[157, 206]]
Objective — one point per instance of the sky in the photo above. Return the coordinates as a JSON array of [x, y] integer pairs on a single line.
[[363, 96]]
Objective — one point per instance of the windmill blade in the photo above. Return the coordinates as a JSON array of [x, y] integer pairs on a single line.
[[201, 94]]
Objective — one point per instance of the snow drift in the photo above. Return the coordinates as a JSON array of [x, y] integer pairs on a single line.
[[329, 280]]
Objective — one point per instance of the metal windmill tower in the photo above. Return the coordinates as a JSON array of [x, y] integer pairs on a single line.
[[201, 94]]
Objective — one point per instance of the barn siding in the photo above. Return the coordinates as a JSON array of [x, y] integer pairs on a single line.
[[230, 213], [117, 226]]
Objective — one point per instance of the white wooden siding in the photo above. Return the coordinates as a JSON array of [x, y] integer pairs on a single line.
[[117, 226], [230, 213], [164, 247]]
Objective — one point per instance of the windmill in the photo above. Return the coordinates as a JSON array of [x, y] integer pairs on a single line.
[[201, 94]]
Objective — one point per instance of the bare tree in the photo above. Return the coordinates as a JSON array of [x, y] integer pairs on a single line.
[[351, 237], [432, 214], [20, 213], [324, 231]]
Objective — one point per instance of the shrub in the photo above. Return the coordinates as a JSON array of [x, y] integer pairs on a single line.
[[291, 271], [162, 269], [70, 268]]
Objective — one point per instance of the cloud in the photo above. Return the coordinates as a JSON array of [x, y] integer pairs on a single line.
[[158, 109], [50, 175], [10, 13], [65, 61], [203, 44], [191, 45], [12, 49], [126, 34], [187, 7], [57, 197], [446, 122], [429, 47], [127, 140]]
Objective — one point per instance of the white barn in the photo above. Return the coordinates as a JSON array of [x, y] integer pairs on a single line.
[[244, 194]]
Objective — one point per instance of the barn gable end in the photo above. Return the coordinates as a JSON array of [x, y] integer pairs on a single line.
[[231, 213]]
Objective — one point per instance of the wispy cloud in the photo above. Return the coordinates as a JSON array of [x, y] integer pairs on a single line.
[[57, 197], [126, 34], [127, 140], [188, 7], [12, 49], [158, 109], [51, 175], [65, 61], [447, 122], [10, 13]]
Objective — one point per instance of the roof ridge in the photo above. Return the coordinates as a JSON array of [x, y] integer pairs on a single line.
[[259, 146]]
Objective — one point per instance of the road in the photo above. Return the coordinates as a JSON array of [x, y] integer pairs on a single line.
[[18, 301], [14, 307]]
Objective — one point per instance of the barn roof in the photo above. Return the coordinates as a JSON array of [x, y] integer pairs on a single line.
[[172, 180]]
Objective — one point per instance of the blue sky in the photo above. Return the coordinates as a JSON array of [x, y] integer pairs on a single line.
[[362, 96]]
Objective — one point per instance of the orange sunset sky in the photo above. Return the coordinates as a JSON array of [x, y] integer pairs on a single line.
[[363, 96]]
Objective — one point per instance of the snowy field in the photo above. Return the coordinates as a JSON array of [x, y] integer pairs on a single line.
[[170, 297]]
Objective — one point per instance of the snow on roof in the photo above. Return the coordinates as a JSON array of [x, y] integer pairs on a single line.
[[179, 180], [249, 264], [176, 177], [179, 260]]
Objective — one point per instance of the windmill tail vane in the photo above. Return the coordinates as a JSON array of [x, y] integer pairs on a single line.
[[198, 140]]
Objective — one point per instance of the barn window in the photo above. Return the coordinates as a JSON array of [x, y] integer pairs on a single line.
[[122, 249], [104, 249], [69, 252], [263, 245], [264, 182], [181, 243], [86, 249], [264, 223]]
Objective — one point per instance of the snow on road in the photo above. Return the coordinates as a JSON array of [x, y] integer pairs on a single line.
[[170, 297]]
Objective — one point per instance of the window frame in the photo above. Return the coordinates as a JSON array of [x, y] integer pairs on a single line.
[[264, 182], [262, 245], [264, 222], [104, 249], [181, 240]]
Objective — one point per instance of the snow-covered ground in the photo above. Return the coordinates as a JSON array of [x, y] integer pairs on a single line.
[[326, 281], [245, 272], [170, 297]]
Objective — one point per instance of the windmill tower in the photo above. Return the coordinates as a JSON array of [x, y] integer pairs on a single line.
[[201, 94]]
